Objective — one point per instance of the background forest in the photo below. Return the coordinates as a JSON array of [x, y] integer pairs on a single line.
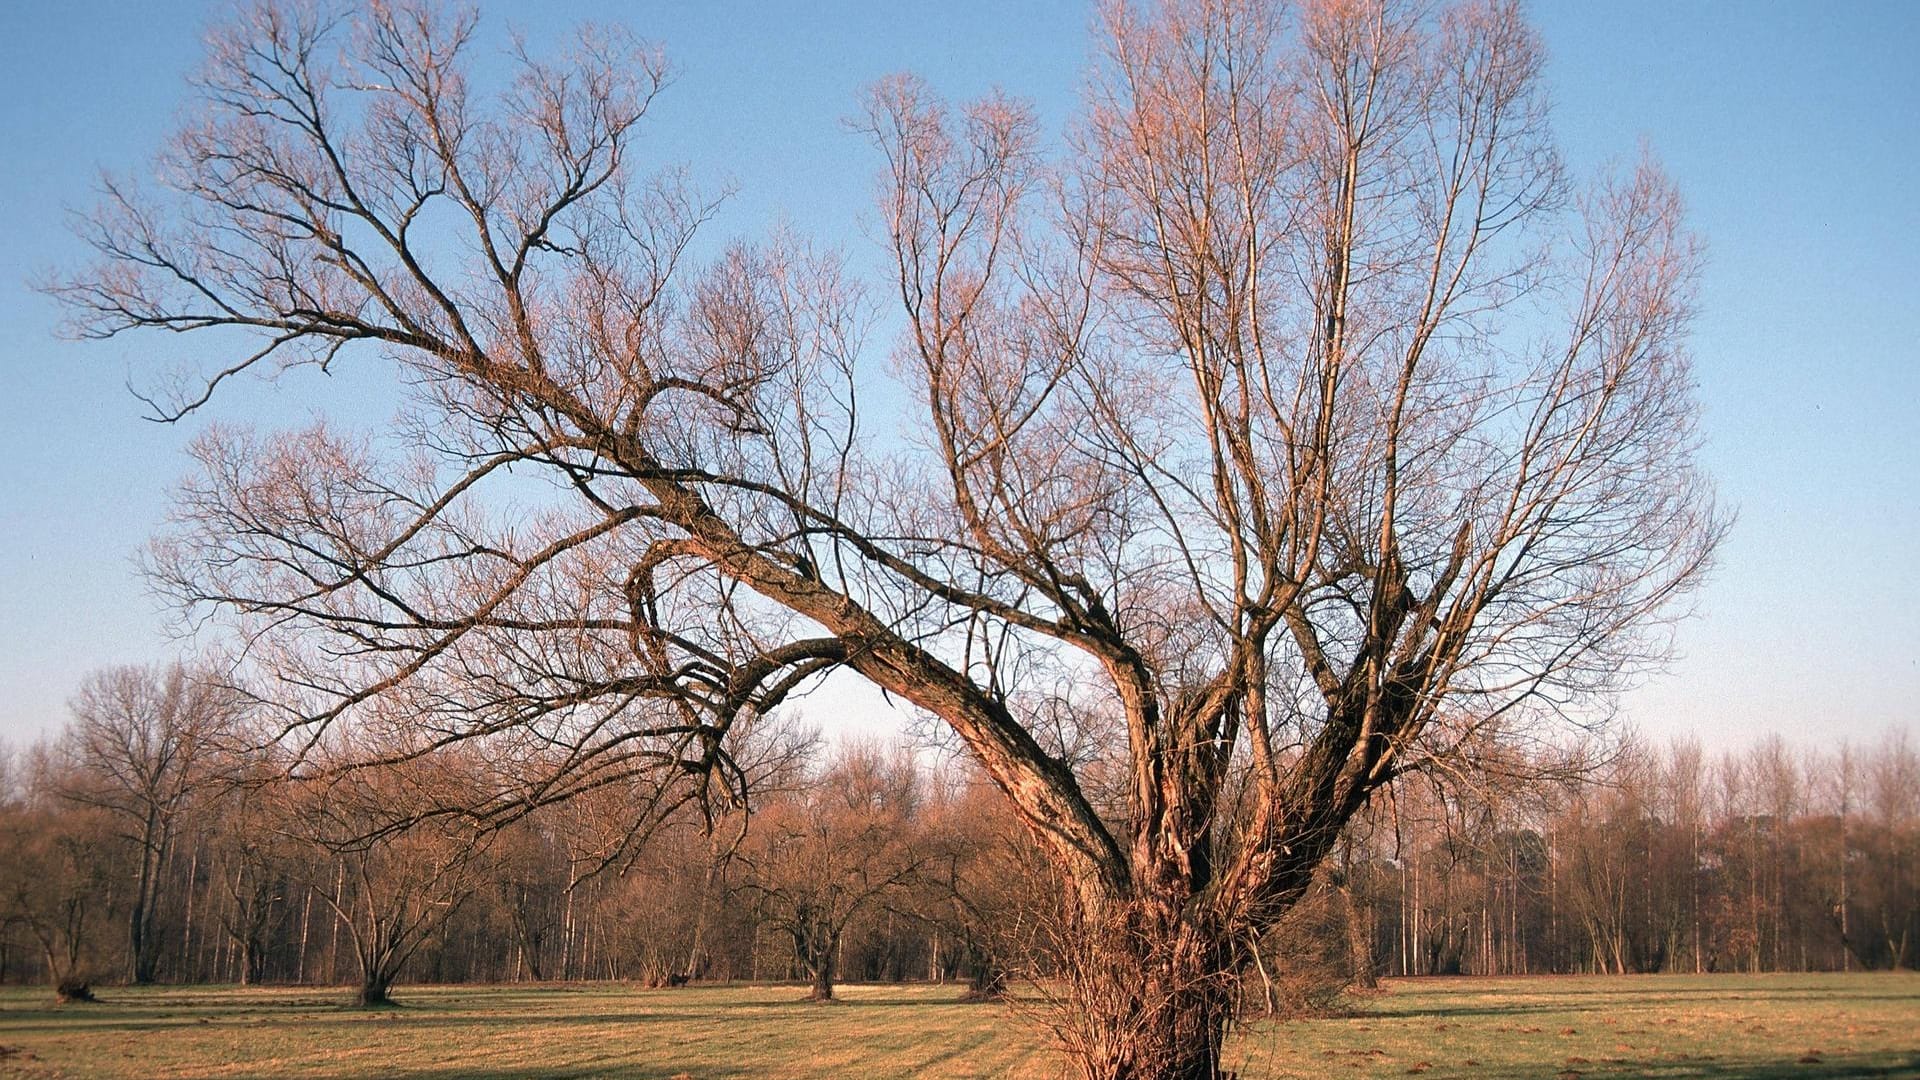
[[149, 841]]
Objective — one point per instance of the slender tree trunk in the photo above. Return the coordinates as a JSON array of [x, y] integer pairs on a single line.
[[186, 943], [306, 926], [1553, 909], [1269, 998], [708, 903], [333, 945], [566, 923], [1693, 874], [1404, 935]]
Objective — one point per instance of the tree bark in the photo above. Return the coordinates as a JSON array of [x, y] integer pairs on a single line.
[[986, 975], [1360, 939], [1359, 923], [1150, 994], [374, 992], [822, 987]]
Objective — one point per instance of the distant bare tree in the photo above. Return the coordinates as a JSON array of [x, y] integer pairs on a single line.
[[532, 886], [403, 883], [1891, 900], [821, 858], [58, 879], [1306, 420], [985, 889], [253, 862], [147, 743]]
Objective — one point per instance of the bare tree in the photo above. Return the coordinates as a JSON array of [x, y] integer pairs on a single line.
[[1304, 419], [531, 886], [56, 886], [146, 741], [1892, 901], [253, 863], [822, 857], [403, 883], [984, 888]]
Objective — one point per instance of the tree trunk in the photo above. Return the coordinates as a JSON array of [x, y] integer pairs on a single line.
[[140, 930], [186, 944], [1360, 939], [814, 942], [1269, 997], [701, 917], [1175, 1033], [1359, 922], [253, 961], [306, 925], [986, 976], [1150, 995], [374, 992], [143, 919]]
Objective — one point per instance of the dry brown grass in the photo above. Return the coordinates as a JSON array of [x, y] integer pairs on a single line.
[[1657, 1026]]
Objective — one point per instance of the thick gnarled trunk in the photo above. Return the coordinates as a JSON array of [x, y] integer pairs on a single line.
[[821, 988], [375, 992], [816, 945], [1149, 994]]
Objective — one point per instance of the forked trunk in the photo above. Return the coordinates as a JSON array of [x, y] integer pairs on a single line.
[[822, 987], [816, 942], [986, 976], [374, 993]]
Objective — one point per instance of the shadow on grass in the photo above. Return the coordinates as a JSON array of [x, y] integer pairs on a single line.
[[431, 1012], [1718, 1068], [1723, 1068], [1389, 1011]]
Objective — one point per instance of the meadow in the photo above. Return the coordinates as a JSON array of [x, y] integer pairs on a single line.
[[1564, 1027]]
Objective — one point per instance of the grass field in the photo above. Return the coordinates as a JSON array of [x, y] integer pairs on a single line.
[[1652, 1026]]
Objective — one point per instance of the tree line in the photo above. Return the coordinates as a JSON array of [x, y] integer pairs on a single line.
[[1769, 858], [151, 840]]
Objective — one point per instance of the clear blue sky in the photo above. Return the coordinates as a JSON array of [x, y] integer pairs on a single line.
[[1794, 131]]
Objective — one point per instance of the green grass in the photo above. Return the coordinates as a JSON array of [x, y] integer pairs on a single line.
[[1653, 1026]]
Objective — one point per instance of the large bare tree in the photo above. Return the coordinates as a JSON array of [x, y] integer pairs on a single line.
[[1300, 422]]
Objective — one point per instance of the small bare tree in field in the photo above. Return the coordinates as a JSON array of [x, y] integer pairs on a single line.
[[820, 858], [1302, 420], [55, 883], [403, 882], [146, 743]]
